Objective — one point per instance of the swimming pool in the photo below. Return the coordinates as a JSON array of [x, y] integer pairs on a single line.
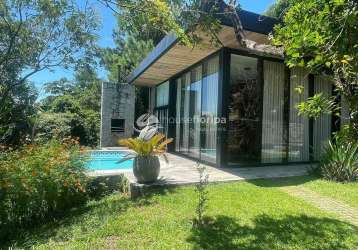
[[108, 160]]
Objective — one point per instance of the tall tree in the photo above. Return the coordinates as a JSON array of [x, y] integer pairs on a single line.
[[322, 35], [39, 35], [278, 9], [184, 18], [72, 108]]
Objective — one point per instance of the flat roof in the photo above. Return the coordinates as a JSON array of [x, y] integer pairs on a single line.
[[256, 27]]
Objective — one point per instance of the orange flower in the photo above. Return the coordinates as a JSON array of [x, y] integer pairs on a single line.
[[33, 173]]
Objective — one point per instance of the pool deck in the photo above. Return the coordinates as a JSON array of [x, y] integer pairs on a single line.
[[183, 171]]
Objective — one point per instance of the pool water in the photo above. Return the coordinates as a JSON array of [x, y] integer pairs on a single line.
[[108, 160]]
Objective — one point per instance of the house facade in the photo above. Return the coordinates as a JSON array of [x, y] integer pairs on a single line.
[[232, 106]]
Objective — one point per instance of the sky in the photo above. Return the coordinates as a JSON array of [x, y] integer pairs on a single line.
[[108, 23]]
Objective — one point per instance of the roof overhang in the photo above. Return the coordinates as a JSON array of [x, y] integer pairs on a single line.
[[170, 57]]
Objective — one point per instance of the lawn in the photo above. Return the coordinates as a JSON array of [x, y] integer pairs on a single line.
[[244, 215], [346, 192]]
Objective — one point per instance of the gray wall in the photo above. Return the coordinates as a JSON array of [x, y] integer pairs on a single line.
[[117, 102]]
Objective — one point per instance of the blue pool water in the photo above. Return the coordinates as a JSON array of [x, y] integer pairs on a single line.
[[108, 160]]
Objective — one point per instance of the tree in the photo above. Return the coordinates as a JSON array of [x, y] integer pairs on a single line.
[[322, 35], [120, 61], [184, 18], [72, 108], [17, 113], [38, 35], [278, 9]]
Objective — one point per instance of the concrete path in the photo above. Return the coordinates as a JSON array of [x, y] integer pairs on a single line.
[[341, 209], [181, 171]]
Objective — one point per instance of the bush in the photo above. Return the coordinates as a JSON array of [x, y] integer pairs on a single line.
[[39, 181], [340, 161], [101, 186]]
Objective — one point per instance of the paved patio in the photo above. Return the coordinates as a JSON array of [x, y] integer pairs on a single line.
[[181, 171]]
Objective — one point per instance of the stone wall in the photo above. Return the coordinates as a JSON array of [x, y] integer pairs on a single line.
[[117, 102]]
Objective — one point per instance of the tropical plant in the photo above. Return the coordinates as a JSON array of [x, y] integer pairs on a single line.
[[154, 146], [340, 161]]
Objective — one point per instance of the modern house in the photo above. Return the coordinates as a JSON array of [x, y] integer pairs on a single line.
[[234, 106]]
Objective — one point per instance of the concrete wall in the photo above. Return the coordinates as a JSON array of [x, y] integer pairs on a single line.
[[117, 102]]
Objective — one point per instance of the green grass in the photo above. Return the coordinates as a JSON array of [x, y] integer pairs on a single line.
[[245, 215], [346, 192]]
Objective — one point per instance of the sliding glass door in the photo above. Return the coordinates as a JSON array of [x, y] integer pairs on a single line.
[[299, 148], [243, 139], [161, 106], [209, 109], [273, 143], [322, 126], [196, 111], [183, 113]]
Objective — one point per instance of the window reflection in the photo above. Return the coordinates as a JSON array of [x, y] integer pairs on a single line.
[[243, 146]]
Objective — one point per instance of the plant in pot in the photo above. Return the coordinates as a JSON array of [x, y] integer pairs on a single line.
[[147, 148]]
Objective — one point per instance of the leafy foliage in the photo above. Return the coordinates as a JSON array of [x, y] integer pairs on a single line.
[[17, 114], [122, 60], [71, 109], [317, 105], [166, 16], [38, 35], [200, 188], [38, 181], [278, 9], [340, 161], [154, 146], [322, 36]]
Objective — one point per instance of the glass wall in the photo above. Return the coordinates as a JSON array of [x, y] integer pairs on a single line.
[[209, 109], [197, 98], [162, 94], [263, 125], [243, 145], [322, 126], [299, 148], [195, 112], [161, 106], [273, 143]]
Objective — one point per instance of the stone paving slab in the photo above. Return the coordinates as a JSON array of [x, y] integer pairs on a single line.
[[339, 208], [183, 171]]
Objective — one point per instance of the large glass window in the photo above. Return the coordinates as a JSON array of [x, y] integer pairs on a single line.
[[322, 125], [197, 98], [162, 94], [299, 125], [243, 141], [209, 109], [184, 113], [161, 106], [195, 112], [273, 144]]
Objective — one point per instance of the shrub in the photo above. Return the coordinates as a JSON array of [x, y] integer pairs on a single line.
[[340, 161], [39, 181], [101, 186], [200, 188]]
